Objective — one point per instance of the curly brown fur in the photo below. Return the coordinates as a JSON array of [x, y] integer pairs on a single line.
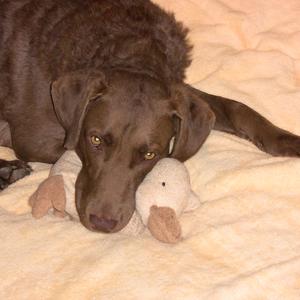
[[134, 34]]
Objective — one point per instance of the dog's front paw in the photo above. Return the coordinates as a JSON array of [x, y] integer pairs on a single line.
[[11, 171]]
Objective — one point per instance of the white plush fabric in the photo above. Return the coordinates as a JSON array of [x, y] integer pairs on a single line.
[[244, 241], [175, 194]]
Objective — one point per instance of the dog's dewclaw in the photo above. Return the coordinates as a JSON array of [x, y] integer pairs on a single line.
[[164, 225]]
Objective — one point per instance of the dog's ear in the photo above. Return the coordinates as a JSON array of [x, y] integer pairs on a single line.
[[193, 121], [71, 94]]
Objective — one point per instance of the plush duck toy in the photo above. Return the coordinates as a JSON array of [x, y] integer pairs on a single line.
[[161, 198]]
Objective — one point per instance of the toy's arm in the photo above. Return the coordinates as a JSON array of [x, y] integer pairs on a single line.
[[50, 194]]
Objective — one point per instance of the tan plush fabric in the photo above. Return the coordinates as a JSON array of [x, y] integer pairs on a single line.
[[244, 241]]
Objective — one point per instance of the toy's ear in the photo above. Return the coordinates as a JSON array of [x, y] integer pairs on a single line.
[[193, 120], [71, 94]]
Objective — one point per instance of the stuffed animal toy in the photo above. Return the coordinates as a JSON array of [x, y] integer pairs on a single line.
[[161, 198]]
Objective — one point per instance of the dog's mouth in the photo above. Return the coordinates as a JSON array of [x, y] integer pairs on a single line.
[[94, 222]]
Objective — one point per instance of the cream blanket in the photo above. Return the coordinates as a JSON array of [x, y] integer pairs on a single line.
[[244, 241]]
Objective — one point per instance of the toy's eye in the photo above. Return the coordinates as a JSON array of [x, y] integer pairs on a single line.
[[163, 184]]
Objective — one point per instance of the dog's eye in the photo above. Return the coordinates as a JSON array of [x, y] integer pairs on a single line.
[[96, 140], [149, 155]]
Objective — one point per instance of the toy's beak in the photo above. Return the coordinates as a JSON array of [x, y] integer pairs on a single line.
[[164, 225]]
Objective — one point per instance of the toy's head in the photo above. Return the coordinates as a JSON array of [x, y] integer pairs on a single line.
[[167, 185]]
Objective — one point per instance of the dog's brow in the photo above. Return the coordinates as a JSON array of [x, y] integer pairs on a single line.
[[150, 147], [108, 138]]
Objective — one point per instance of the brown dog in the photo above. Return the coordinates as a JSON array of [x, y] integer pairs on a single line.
[[106, 78]]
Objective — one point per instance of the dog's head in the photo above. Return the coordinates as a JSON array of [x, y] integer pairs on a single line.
[[120, 125]]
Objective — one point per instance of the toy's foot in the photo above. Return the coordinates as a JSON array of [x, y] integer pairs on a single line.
[[11, 171]]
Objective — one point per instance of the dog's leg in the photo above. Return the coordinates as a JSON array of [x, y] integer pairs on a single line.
[[238, 119], [10, 171]]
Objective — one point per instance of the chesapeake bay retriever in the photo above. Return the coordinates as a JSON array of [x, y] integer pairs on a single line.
[[106, 78]]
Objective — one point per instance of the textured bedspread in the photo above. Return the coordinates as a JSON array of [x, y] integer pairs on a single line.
[[244, 241]]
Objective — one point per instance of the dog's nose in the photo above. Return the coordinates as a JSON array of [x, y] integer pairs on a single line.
[[102, 224]]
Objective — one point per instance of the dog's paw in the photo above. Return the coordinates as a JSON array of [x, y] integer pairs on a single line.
[[11, 171], [287, 145], [278, 143]]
